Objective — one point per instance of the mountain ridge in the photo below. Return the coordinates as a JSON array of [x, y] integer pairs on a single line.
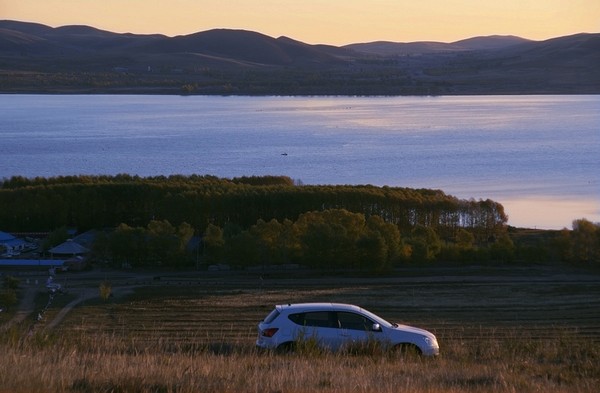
[[235, 61], [389, 48]]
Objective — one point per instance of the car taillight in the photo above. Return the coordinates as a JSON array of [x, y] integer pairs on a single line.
[[269, 332]]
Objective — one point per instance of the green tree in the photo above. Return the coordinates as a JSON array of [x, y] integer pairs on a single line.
[[162, 242], [329, 238], [373, 252], [100, 250], [55, 238], [381, 245], [11, 283], [241, 249], [8, 297], [425, 243], [128, 246]]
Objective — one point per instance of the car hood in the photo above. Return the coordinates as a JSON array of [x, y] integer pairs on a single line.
[[413, 330]]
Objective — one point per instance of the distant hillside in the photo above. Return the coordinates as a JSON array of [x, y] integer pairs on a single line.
[[386, 48], [231, 46], [490, 42], [39, 58]]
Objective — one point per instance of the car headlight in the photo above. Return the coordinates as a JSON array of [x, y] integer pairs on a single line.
[[430, 342]]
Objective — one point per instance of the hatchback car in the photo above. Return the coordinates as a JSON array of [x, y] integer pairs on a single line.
[[336, 326]]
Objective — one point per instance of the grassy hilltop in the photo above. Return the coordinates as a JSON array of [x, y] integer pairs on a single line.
[[500, 330]]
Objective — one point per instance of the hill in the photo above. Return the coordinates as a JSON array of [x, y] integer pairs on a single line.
[[386, 48], [83, 59], [230, 46]]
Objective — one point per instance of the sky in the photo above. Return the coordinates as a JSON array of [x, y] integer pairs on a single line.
[[335, 22]]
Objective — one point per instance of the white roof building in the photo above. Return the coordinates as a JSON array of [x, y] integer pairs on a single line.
[[69, 248], [11, 243]]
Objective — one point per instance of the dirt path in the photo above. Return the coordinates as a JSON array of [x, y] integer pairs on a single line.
[[84, 294], [25, 308]]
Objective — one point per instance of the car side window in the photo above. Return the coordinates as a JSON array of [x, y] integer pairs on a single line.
[[314, 319], [349, 320], [298, 319], [318, 319]]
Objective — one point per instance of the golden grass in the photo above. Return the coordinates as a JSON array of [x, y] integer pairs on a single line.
[[45, 362], [495, 336]]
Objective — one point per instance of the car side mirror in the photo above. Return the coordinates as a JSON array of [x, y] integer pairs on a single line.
[[376, 327]]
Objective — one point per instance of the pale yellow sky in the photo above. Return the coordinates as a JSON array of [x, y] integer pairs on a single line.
[[336, 22]]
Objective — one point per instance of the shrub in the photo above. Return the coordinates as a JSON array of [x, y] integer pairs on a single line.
[[8, 297], [105, 290], [11, 282]]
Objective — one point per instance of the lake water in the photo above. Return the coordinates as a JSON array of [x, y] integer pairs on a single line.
[[537, 155]]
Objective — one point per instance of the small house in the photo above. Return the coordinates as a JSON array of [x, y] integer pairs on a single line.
[[12, 244]]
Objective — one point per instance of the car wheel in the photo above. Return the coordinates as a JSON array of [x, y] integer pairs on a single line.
[[288, 347], [406, 350]]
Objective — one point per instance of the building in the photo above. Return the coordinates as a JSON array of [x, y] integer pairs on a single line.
[[69, 248], [11, 244]]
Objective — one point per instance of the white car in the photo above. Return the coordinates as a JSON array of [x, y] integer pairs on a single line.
[[336, 326]]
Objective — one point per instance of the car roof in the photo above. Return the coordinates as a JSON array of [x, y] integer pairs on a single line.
[[304, 307]]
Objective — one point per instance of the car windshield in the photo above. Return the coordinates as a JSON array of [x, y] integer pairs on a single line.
[[377, 318]]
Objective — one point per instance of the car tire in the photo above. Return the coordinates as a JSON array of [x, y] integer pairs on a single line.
[[406, 350], [287, 347]]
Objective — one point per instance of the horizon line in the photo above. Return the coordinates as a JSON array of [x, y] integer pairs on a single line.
[[287, 36]]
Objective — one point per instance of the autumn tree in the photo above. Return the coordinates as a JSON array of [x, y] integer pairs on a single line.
[[167, 244], [213, 244], [464, 239], [585, 242], [503, 249]]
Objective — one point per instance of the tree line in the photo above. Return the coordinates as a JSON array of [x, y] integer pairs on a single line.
[[268, 220], [330, 240], [85, 202], [333, 239]]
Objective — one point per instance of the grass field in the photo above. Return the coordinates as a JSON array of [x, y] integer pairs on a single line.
[[500, 330]]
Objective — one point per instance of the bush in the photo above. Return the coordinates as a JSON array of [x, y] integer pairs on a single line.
[[8, 297], [105, 290], [11, 282]]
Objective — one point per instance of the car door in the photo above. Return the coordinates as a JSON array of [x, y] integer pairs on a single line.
[[322, 326], [354, 328]]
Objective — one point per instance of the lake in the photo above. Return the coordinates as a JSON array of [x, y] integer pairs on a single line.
[[537, 155]]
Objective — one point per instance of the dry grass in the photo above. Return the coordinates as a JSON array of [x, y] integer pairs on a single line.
[[496, 335], [50, 363]]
